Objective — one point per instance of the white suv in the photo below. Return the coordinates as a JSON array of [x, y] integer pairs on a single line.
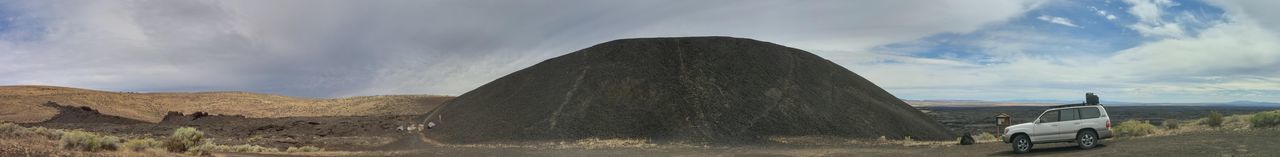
[[1084, 124]]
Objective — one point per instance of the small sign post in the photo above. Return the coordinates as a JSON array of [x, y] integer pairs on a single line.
[[1002, 120]]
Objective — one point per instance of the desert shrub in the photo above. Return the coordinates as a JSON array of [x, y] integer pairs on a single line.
[[88, 141], [1236, 122], [110, 142], [13, 130], [142, 144], [246, 148], [252, 148], [80, 140], [1214, 119], [208, 147], [1171, 124], [1265, 119], [203, 149], [52, 134], [594, 143], [986, 136], [303, 149], [183, 139], [1134, 128]]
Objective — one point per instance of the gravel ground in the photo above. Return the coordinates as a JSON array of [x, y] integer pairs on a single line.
[[1255, 142]]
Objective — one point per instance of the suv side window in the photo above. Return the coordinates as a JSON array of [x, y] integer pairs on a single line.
[[1089, 112], [1069, 114], [1051, 116]]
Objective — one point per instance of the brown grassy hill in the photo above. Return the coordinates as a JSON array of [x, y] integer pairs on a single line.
[[23, 104]]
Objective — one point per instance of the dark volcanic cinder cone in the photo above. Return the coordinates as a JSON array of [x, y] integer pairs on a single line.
[[718, 90]]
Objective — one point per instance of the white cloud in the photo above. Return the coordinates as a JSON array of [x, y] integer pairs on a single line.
[[858, 26], [1262, 11], [1150, 19], [1230, 60], [1057, 20], [1225, 57], [1103, 13]]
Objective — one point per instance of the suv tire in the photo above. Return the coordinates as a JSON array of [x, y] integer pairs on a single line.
[[1087, 139], [1021, 144]]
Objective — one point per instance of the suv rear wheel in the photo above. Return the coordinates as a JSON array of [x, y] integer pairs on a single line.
[[1021, 144], [1087, 139]]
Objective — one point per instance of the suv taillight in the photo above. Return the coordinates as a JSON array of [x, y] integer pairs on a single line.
[[1108, 124]]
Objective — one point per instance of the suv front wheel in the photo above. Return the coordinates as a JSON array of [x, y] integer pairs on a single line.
[[1021, 144], [1087, 139]]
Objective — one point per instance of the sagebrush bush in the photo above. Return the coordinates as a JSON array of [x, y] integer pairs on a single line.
[[313, 149], [206, 147], [88, 141], [1265, 119], [251, 149], [110, 142], [142, 144], [986, 136], [202, 149], [1134, 128], [1171, 124], [52, 134], [13, 130], [244, 148], [183, 139], [1214, 119]]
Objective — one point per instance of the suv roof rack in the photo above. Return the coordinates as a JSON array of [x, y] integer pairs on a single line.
[[1089, 99], [1071, 105]]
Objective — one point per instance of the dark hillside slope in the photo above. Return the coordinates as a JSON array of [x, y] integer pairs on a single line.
[[719, 90]]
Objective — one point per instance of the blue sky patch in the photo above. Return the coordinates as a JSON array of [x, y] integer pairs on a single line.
[[1099, 29]]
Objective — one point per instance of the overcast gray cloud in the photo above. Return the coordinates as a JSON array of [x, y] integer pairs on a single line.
[[1141, 50], [345, 48]]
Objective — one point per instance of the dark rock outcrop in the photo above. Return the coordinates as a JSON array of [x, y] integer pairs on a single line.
[[84, 114], [718, 90], [197, 118]]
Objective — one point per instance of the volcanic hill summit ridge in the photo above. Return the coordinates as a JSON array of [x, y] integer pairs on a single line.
[[719, 90]]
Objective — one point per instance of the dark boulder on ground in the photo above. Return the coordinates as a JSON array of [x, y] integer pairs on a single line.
[[966, 139], [717, 90]]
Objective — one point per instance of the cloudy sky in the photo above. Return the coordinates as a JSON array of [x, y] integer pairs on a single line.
[[1126, 50]]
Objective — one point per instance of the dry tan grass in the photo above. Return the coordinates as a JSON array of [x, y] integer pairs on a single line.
[[968, 103], [882, 141], [1229, 123], [23, 104], [589, 143], [42, 146], [595, 143]]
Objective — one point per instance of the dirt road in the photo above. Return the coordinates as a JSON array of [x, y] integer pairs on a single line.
[[1261, 142], [1210, 143]]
